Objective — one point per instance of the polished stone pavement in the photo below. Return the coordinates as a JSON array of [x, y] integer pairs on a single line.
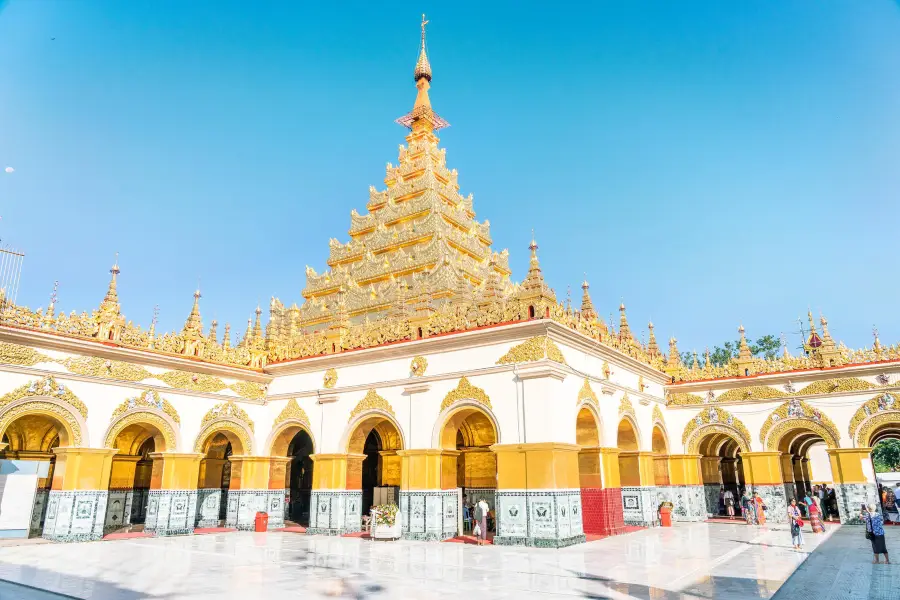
[[697, 560], [841, 569]]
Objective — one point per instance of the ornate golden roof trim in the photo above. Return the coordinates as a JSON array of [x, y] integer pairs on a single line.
[[464, 390], [372, 401]]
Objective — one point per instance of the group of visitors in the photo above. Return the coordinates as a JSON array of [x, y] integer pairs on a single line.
[[813, 509], [888, 499], [753, 508]]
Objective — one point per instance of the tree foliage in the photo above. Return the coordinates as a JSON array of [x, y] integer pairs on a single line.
[[886, 456], [764, 347]]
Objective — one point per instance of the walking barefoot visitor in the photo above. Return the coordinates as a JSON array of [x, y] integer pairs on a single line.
[[875, 533], [760, 507], [796, 520], [815, 516]]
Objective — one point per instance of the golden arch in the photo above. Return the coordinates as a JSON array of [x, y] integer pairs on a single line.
[[284, 432], [628, 434], [588, 425], [162, 430], [70, 424], [382, 422], [875, 419], [659, 441], [237, 433], [475, 421]]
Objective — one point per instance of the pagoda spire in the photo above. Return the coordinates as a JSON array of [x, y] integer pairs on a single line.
[[745, 357], [213, 334], [534, 290], [624, 329], [673, 362], [587, 307], [652, 346], [422, 116], [877, 345], [110, 303], [226, 338], [257, 326], [194, 325]]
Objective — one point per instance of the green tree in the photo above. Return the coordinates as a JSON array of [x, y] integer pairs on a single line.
[[886, 456], [767, 346], [764, 347]]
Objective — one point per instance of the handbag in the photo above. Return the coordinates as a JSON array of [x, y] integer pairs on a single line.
[[869, 534], [477, 530]]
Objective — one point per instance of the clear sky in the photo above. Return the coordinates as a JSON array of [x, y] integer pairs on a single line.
[[710, 163]]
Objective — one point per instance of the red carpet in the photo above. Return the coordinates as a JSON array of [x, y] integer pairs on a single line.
[[358, 534], [130, 535], [470, 539], [203, 530]]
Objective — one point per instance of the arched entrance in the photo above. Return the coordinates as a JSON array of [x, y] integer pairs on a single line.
[[292, 439], [628, 444], [218, 475], [470, 431], [373, 466], [660, 447], [33, 437], [721, 468], [131, 474]]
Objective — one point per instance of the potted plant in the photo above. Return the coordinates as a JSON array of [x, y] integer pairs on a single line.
[[387, 522]]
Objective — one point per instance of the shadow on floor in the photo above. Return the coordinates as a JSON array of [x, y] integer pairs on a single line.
[[714, 587]]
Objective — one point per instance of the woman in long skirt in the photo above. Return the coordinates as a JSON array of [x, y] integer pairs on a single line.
[[796, 524], [875, 532], [760, 507], [748, 506], [815, 517]]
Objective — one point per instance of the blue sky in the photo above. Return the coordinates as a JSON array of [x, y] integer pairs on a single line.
[[710, 163]]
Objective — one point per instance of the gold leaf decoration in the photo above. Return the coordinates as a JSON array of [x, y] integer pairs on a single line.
[[606, 370], [142, 416], [641, 385], [625, 406], [657, 414], [14, 354], [227, 410], [714, 420], [149, 399], [329, 380], [587, 393], [291, 412], [372, 401], [418, 366], [44, 407], [464, 390], [99, 367], [886, 405], [246, 389], [192, 381], [756, 392], [831, 386], [795, 414], [536, 348], [47, 387], [683, 399]]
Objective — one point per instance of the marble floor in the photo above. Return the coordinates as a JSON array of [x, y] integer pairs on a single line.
[[697, 560]]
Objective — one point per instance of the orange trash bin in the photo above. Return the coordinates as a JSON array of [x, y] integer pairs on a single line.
[[261, 522], [665, 516]]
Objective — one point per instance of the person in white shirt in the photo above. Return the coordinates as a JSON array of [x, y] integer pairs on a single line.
[[729, 504]]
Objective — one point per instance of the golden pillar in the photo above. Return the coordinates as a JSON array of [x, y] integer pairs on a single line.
[[710, 471], [80, 478], [540, 466], [636, 468], [390, 466], [852, 481], [684, 469]]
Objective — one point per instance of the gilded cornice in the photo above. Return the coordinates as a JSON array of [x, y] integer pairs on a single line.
[[371, 401], [883, 408], [755, 392], [291, 412], [822, 387], [46, 387], [117, 370], [796, 414], [465, 391], [587, 393], [714, 420], [536, 348]]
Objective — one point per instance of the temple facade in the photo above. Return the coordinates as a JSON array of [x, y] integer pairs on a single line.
[[415, 371]]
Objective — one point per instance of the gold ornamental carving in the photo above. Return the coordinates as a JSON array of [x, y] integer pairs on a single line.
[[149, 399], [714, 420], [536, 348], [418, 366], [47, 387], [833, 386], [372, 401], [683, 399], [755, 392], [329, 380], [225, 425], [606, 370], [658, 415], [62, 414], [227, 410], [626, 407], [291, 412], [883, 408], [464, 390], [586, 393], [14, 354], [796, 414]]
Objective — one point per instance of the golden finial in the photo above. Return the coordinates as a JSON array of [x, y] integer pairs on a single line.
[[423, 68], [110, 303]]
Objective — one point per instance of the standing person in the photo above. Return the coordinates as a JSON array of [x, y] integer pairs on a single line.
[[760, 509], [815, 517], [831, 503], [729, 504], [820, 492], [796, 524], [481, 514], [749, 508], [875, 533], [721, 499], [807, 502]]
